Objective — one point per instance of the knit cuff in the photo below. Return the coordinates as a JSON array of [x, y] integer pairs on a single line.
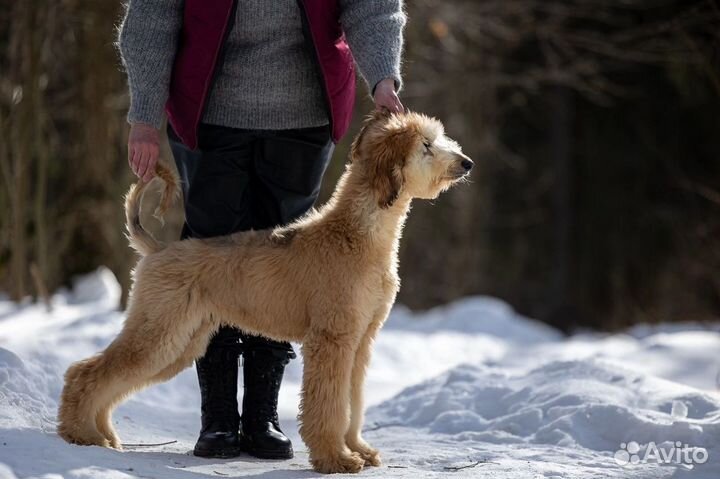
[[148, 109], [379, 69], [396, 79]]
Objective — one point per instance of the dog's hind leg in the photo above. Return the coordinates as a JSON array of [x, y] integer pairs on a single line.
[[195, 348], [74, 425], [325, 405], [90, 385], [103, 422], [95, 386], [353, 437]]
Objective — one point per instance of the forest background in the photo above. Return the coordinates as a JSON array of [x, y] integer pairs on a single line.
[[595, 126]]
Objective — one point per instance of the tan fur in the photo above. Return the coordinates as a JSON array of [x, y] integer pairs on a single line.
[[140, 239], [327, 281]]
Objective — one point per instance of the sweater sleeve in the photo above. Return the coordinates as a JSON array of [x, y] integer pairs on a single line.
[[374, 31], [148, 42]]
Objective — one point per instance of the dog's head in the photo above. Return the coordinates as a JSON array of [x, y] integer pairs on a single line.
[[407, 154]]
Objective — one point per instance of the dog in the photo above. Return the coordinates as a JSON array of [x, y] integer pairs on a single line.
[[328, 281]]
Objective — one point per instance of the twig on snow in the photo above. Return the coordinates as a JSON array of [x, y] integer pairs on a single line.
[[149, 445], [460, 468], [380, 426]]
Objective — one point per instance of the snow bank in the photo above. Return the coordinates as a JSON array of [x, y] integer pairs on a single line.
[[591, 404], [26, 394], [479, 315], [471, 388]]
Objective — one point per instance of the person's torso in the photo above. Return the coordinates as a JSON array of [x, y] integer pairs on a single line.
[[269, 78]]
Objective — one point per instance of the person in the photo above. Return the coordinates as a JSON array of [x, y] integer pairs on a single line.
[[256, 93]]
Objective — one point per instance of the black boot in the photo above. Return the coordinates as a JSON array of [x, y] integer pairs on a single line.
[[218, 374], [263, 368]]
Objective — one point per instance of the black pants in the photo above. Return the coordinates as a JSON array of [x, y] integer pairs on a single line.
[[238, 180]]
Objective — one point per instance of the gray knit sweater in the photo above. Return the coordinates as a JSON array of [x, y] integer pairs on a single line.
[[269, 79]]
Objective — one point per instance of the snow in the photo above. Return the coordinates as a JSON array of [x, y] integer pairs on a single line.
[[471, 389]]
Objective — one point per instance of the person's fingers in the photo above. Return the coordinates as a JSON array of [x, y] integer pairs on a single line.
[[392, 104], [136, 160], [389, 101], [150, 172], [131, 154], [142, 166], [397, 107], [382, 101], [398, 104], [150, 165]]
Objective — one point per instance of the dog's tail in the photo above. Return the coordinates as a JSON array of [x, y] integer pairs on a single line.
[[140, 239]]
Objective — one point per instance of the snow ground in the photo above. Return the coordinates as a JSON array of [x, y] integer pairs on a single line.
[[467, 390]]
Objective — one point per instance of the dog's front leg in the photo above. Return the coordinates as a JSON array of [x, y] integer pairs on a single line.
[[353, 437], [325, 404]]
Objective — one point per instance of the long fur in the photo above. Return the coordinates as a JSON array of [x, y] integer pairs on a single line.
[[140, 239], [328, 280]]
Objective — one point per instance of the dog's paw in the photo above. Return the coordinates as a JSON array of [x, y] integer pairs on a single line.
[[341, 463], [86, 440], [115, 443], [370, 455]]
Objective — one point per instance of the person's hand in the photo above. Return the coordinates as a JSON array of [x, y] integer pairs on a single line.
[[386, 97], [143, 150]]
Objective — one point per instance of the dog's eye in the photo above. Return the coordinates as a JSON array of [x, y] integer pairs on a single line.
[[427, 145]]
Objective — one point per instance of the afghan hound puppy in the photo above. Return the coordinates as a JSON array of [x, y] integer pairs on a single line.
[[327, 281]]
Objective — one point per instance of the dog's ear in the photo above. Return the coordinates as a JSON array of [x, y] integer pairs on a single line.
[[387, 159], [371, 120]]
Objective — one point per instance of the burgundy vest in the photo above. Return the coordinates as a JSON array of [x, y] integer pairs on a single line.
[[205, 28]]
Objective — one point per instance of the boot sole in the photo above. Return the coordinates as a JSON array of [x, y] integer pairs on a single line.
[[219, 454], [265, 454]]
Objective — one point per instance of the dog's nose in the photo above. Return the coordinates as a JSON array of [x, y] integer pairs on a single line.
[[467, 163]]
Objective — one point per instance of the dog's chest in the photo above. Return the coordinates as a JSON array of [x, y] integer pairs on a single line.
[[389, 284], [377, 282]]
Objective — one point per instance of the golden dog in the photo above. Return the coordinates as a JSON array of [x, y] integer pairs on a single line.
[[327, 280]]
